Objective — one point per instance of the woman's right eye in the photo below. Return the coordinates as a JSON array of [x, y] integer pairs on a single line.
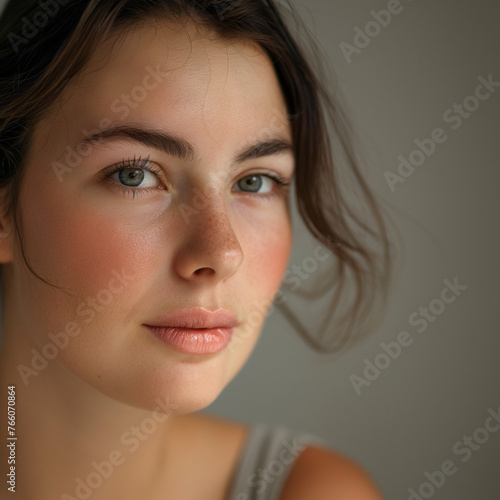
[[135, 177]]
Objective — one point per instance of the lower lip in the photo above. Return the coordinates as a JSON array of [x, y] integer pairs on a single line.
[[193, 341]]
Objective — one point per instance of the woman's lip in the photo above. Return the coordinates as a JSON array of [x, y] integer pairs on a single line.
[[196, 341], [196, 318]]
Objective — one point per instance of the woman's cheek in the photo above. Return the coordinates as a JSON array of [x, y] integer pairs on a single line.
[[79, 246], [276, 259], [268, 258]]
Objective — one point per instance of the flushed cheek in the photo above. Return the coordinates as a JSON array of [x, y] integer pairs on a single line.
[[270, 265], [263, 274], [86, 264], [267, 254], [79, 246]]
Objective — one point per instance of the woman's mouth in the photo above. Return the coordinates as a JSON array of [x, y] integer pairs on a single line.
[[195, 331]]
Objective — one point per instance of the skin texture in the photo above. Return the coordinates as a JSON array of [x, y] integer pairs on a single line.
[[191, 237]]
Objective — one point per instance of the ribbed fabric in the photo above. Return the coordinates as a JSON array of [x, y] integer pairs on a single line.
[[266, 462]]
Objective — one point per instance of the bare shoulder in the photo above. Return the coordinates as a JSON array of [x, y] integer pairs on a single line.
[[321, 474]]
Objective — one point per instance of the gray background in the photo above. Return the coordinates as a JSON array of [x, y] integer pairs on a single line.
[[442, 385]]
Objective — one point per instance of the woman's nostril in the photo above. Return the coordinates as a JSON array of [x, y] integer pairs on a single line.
[[204, 271]]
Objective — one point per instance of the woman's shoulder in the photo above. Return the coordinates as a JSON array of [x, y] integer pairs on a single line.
[[280, 464], [323, 474]]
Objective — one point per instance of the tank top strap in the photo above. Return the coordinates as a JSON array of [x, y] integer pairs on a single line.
[[266, 461]]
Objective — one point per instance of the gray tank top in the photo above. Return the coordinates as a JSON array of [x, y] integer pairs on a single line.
[[266, 461]]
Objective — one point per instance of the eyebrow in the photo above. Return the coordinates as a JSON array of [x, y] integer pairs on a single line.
[[180, 148]]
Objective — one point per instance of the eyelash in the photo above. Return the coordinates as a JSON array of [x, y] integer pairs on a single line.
[[282, 183], [139, 163]]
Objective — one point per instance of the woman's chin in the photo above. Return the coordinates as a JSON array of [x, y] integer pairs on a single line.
[[171, 393]]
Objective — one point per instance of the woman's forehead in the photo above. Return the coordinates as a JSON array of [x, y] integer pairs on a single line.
[[176, 52], [178, 79]]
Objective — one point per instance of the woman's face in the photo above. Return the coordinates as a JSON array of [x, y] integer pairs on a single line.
[[207, 228]]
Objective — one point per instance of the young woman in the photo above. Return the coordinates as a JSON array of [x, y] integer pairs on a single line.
[[148, 149]]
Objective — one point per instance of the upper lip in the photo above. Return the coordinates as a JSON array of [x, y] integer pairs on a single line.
[[196, 318]]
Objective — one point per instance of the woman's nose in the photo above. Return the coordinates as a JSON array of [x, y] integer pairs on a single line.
[[209, 248]]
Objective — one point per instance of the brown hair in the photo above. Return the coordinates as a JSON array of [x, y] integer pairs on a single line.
[[45, 43]]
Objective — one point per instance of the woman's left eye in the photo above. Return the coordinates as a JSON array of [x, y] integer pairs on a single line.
[[260, 183]]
